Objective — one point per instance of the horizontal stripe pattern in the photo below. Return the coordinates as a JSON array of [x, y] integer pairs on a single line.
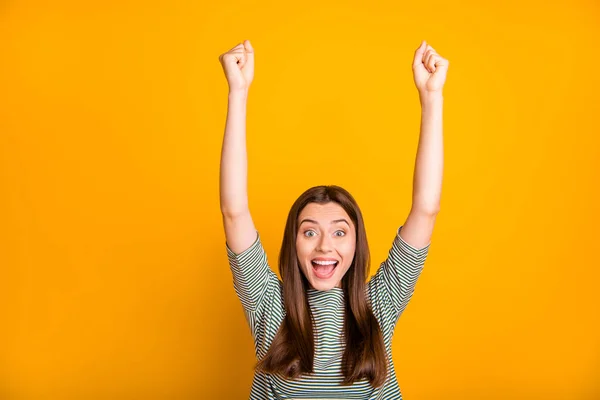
[[261, 295]]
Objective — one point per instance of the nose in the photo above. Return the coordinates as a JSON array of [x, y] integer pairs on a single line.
[[324, 245]]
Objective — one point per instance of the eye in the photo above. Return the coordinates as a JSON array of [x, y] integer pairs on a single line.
[[305, 233], [343, 233]]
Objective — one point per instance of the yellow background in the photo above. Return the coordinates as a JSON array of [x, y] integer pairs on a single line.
[[114, 281]]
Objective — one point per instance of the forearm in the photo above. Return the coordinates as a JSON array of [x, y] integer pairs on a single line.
[[429, 163], [234, 165]]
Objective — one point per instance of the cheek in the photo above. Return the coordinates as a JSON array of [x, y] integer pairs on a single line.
[[348, 249], [302, 251]]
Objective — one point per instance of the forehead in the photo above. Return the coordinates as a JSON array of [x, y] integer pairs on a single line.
[[324, 213]]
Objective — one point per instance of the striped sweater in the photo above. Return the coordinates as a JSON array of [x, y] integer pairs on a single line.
[[261, 294]]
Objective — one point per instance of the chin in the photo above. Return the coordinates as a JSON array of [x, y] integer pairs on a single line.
[[323, 285]]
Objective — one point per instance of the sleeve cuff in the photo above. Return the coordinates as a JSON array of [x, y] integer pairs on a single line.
[[409, 248], [244, 254]]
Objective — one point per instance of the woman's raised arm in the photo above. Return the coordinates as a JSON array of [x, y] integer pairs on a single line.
[[240, 233]]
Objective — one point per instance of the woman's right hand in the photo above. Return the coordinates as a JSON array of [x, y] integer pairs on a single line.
[[238, 65]]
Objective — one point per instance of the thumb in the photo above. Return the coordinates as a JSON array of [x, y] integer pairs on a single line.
[[248, 46], [249, 49], [418, 60]]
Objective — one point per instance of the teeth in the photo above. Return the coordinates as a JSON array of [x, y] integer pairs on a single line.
[[324, 262]]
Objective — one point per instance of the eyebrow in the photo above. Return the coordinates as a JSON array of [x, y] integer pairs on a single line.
[[316, 223]]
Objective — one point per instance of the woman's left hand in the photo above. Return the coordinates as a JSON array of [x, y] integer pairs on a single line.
[[429, 70]]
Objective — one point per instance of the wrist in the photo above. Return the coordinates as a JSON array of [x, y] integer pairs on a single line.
[[238, 93], [431, 99]]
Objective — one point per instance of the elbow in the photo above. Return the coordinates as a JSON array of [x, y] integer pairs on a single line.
[[234, 213], [234, 208], [427, 209]]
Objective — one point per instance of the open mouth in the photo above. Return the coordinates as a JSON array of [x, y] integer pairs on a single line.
[[324, 270]]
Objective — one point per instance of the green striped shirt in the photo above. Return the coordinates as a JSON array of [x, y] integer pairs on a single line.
[[261, 294]]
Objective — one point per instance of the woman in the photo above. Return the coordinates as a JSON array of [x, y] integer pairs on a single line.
[[322, 332]]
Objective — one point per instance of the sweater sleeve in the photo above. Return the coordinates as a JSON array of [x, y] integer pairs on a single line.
[[392, 286], [258, 289]]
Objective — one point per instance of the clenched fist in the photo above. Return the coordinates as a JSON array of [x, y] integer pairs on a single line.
[[429, 70], [238, 65]]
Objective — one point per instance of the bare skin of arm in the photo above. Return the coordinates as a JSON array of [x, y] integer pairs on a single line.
[[429, 70], [240, 231]]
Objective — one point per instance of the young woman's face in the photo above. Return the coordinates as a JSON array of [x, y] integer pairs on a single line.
[[325, 243]]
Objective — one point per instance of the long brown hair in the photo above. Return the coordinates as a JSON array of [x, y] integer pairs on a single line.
[[292, 351]]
